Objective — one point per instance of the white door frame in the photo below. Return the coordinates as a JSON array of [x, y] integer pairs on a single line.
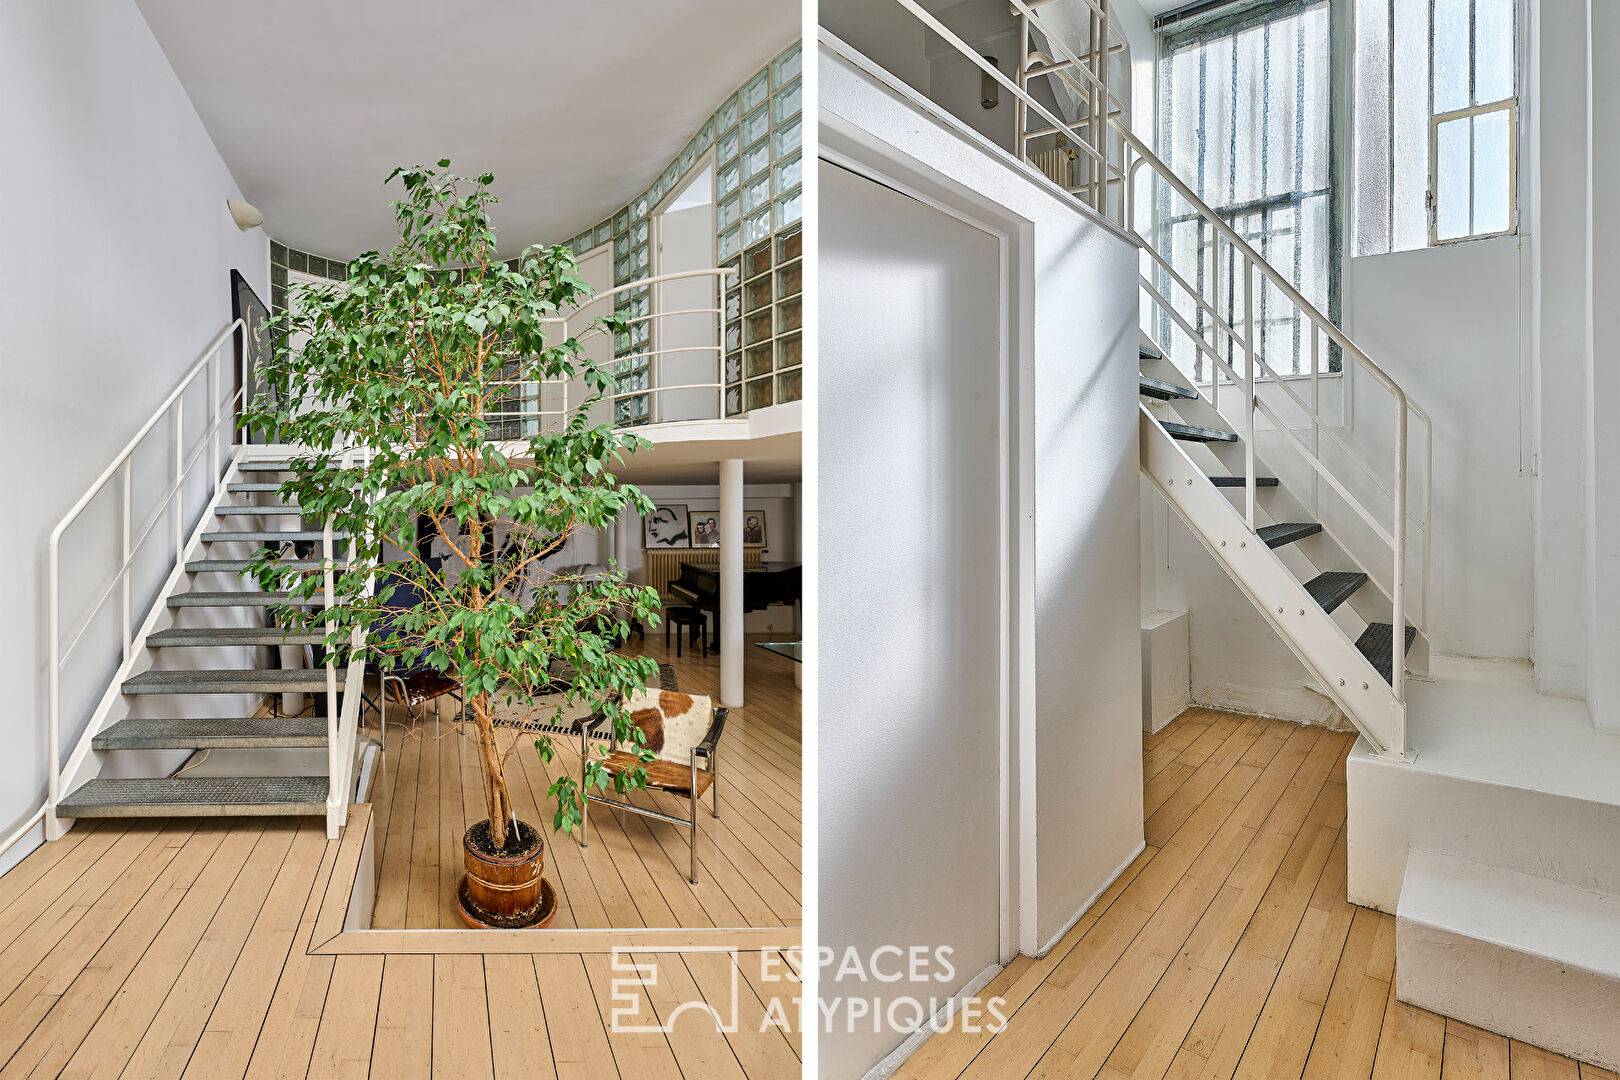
[[851, 149]]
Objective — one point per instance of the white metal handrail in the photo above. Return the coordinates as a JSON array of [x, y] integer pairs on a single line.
[[652, 354], [1106, 120], [209, 362]]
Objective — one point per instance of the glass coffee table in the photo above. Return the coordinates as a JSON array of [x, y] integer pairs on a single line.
[[793, 650]]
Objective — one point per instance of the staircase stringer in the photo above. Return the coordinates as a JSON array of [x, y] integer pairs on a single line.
[[1310, 633]]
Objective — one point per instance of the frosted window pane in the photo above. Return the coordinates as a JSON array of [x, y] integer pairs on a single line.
[[1492, 212], [1411, 124], [1314, 166], [1450, 55], [1451, 194], [1493, 50], [1184, 107], [1281, 105], [1217, 123], [1249, 92], [1372, 126]]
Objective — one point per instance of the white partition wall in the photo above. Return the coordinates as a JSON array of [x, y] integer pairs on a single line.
[[910, 594]]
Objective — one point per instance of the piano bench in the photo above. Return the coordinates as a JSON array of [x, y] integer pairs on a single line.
[[694, 624]]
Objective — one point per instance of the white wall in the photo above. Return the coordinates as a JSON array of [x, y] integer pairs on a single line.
[[1445, 323], [119, 249], [1553, 209], [1076, 798], [909, 790]]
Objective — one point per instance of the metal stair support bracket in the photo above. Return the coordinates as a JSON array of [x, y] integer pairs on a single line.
[[1330, 656]]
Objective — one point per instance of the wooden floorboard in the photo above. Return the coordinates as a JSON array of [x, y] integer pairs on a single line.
[[187, 948], [633, 871], [1228, 949]]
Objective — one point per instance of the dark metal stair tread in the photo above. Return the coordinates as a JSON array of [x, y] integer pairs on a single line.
[[249, 732], [1287, 532], [1237, 481], [228, 566], [263, 466], [1148, 352], [229, 681], [237, 510], [194, 796], [240, 599], [223, 636], [1196, 434], [268, 537], [254, 485], [1378, 641], [1164, 391], [1334, 587]]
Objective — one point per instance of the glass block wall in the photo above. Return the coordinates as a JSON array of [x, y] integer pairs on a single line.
[[284, 260], [757, 137]]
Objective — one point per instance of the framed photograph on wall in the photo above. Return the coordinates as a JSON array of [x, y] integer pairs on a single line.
[[666, 527], [704, 525], [754, 534]]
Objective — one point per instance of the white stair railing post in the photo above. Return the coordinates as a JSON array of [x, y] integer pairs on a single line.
[[1397, 668], [179, 475], [125, 631], [1248, 391], [333, 743]]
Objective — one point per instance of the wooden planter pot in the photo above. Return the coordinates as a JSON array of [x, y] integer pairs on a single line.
[[505, 891]]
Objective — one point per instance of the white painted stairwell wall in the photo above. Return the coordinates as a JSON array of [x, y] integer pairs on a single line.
[[1076, 727], [116, 274]]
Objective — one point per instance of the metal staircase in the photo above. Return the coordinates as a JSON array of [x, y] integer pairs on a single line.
[[1331, 579], [1298, 601], [244, 516]]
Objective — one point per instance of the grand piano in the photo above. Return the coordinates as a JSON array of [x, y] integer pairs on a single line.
[[763, 585]]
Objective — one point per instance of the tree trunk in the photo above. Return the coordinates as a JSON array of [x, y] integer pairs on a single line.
[[498, 799]]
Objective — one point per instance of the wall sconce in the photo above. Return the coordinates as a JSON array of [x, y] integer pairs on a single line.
[[246, 215], [989, 88]]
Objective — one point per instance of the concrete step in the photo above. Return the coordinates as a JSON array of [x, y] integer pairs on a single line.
[[201, 796], [262, 537], [228, 636], [279, 509], [230, 681], [236, 566], [1515, 954], [244, 598], [233, 733]]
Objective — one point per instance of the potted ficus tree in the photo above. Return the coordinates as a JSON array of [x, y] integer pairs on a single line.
[[404, 360]]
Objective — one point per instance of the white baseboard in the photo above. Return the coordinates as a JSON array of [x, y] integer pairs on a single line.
[[1090, 901], [939, 1021]]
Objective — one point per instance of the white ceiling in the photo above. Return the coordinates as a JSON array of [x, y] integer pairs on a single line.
[[574, 106]]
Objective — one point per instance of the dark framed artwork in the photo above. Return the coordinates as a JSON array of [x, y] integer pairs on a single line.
[[666, 527], [253, 348]]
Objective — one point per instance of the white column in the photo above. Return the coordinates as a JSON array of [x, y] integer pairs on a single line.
[[731, 584], [626, 530]]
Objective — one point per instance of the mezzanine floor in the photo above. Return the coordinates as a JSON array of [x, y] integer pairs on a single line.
[[1228, 949]]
